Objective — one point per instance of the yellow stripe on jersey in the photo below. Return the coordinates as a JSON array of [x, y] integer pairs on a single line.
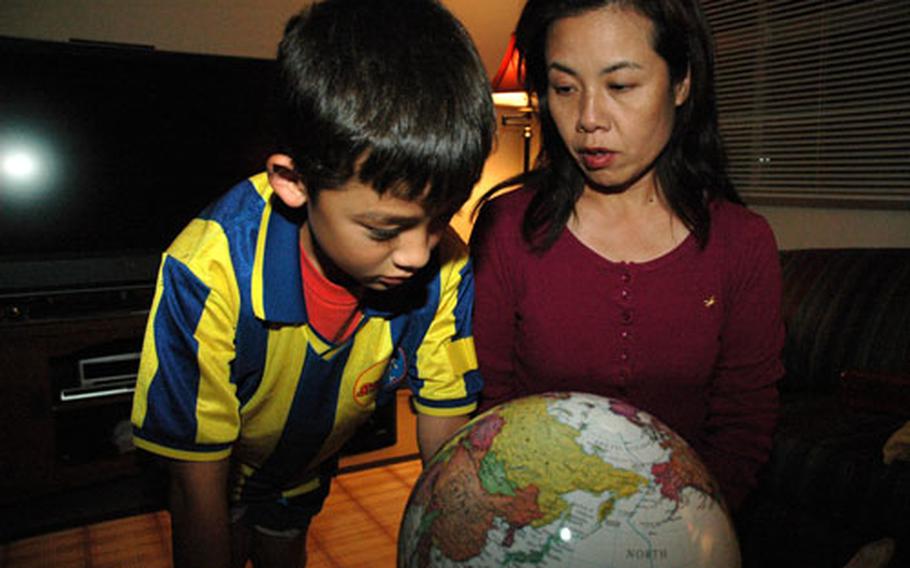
[[148, 364], [443, 375], [267, 411], [261, 183], [441, 411], [462, 355], [310, 485], [180, 454]]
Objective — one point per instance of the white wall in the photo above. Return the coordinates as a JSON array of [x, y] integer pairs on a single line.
[[253, 28], [227, 27], [236, 27], [805, 227]]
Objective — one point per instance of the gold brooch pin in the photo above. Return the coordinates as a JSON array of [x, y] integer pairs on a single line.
[[710, 301]]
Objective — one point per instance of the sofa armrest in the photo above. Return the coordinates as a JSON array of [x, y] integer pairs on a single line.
[[875, 392]]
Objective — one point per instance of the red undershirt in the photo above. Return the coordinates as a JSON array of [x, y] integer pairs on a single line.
[[331, 309]]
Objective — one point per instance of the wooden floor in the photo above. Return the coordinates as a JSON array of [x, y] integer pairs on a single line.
[[358, 527]]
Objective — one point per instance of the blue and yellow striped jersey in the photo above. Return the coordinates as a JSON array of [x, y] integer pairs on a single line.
[[230, 366]]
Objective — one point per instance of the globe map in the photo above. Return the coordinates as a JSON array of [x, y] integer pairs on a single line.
[[566, 479]]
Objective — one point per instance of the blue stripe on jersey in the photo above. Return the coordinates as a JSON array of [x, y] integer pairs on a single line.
[[310, 421], [282, 284], [419, 322], [246, 371], [172, 404], [463, 309], [473, 382], [238, 213]]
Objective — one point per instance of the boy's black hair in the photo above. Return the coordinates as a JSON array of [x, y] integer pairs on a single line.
[[392, 91]]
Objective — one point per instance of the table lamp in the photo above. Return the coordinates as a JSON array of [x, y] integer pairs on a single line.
[[509, 91]]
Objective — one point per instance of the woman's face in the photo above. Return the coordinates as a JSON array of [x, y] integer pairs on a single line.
[[610, 95]]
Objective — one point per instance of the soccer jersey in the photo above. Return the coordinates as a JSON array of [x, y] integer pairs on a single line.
[[230, 366]]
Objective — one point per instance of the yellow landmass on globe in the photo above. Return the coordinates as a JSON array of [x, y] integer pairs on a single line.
[[557, 467]]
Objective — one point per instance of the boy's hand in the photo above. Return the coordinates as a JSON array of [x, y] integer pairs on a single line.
[[434, 431]]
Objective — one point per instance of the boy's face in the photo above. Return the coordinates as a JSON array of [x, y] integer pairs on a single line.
[[378, 241], [355, 236]]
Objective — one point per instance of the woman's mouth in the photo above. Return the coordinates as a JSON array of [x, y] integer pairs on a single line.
[[596, 158]]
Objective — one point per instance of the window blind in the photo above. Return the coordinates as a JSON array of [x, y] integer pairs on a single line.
[[814, 99]]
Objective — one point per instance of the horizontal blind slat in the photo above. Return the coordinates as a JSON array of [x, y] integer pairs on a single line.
[[814, 96]]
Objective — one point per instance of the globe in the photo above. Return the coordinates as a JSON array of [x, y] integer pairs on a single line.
[[566, 479]]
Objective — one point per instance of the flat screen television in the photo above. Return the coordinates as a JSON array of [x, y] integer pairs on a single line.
[[107, 151]]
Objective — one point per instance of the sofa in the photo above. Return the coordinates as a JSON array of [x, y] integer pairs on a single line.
[[826, 491]]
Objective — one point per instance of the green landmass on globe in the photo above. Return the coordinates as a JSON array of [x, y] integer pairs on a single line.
[[566, 479]]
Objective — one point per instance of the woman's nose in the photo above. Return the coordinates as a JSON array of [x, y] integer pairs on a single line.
[[592, 113]]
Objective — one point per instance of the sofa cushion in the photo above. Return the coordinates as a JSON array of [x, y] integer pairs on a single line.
[[844, 309], [826, 490]]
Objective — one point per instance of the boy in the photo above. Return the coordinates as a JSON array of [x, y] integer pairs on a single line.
[[306, 295]]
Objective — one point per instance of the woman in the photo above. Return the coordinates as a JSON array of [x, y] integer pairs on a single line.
[[626, 265]]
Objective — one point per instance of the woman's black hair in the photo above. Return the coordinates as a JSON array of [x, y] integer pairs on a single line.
[[392, 91], [691, 170]]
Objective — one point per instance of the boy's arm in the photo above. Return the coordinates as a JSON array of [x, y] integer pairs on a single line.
[[433, 431], [446, 383], [199, 514]]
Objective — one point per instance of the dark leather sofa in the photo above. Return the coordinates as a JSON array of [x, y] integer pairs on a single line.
[[826, 491]]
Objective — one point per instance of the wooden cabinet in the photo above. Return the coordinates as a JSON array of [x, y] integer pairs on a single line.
[[50, 447], [63, 460], [402, 445]]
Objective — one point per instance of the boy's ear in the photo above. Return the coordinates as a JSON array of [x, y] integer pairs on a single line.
[[285, 180]]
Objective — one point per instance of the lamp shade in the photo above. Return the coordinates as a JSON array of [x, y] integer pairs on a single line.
[[508, 87]]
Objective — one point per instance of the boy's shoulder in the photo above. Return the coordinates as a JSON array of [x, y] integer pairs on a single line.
[[220, 234], [241, 204], [237, 211]]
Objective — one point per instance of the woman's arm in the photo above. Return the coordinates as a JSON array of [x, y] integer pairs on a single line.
[[494, 312], [742, 409]]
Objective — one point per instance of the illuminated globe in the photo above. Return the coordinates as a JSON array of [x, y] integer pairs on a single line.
[[566, 479]]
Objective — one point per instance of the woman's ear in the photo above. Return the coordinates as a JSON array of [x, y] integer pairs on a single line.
[[681, 89], [285, 180]]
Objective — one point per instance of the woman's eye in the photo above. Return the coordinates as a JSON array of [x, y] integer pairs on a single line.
[[619, 87], [562, 89]]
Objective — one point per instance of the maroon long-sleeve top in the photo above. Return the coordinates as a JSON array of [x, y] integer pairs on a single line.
[[692, 337]]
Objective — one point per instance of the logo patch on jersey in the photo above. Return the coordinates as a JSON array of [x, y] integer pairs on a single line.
[[367, 384], [398, 370]]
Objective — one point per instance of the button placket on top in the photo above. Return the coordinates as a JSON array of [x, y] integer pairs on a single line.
[[626, 319]]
